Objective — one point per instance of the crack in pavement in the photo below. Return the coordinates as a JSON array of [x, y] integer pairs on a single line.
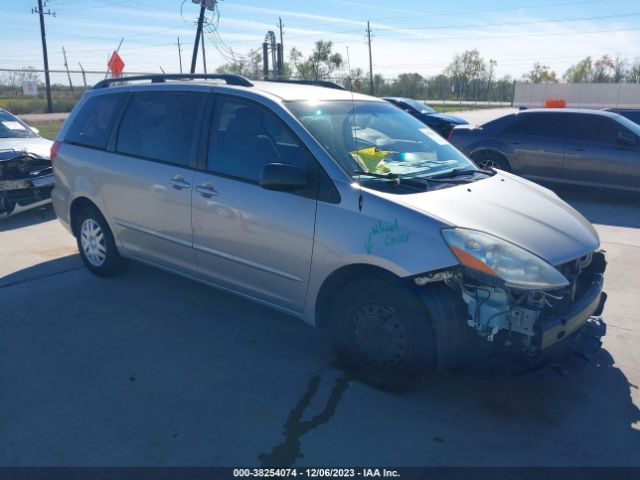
[[288, 451]]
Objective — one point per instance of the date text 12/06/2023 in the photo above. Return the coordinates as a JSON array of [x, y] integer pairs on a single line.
[[389, 233]]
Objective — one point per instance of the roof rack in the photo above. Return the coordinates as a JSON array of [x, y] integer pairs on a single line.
[[317, 83], [231, 79]]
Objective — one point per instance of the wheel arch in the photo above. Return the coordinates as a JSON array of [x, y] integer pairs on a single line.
[[77, 206], [336, 280]]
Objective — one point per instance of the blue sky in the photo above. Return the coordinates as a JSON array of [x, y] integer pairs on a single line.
[[409, 35]]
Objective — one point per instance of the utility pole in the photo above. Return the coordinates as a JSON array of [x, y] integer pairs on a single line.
[[370, 61], [180, 54], [265, 60], [281, 50], [204, 57], [84, 76], [66, 66], [198, 33], [41, 12]]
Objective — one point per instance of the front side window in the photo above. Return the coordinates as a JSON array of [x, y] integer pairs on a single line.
[[92, 125], [375, 137], [419, 106], [596, 128], [162, 126], [245, 137]]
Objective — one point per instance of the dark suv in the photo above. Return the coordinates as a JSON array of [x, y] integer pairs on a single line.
[[571, 146]]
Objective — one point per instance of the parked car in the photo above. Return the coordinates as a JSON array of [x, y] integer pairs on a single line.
[[411, 256], [590, 148], [440, 122], [25, 169], [630, 113]]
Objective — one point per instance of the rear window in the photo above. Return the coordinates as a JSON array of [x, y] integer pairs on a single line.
[[537, 124], [92, 125], [162, 126]]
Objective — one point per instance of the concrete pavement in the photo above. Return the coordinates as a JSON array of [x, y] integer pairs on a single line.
[[151, 369]]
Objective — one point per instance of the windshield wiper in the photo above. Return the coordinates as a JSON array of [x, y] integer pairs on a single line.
[[394, 178], [459, 172]]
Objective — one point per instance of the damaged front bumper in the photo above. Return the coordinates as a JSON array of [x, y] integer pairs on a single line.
[[511, 332], [25, 178]]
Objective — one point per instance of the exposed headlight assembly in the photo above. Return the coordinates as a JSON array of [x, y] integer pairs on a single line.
[[495, 257]]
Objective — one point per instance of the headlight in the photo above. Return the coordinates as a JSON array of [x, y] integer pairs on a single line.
[[493, 256]]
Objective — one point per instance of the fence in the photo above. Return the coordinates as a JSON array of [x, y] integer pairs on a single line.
[[578, 95]]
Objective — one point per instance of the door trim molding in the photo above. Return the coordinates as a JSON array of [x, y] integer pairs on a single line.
[[246, 262], [153, 233]]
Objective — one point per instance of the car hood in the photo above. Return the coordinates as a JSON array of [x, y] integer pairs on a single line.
[[515, 210], [37, 145], [450, 118]]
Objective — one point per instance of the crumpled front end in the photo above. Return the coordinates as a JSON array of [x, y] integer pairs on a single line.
[[25, 178], [518, 331]]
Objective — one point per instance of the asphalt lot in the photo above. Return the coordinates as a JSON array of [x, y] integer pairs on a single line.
[[151, 369]]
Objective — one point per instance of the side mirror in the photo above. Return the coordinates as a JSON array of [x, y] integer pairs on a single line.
[[35, 130], [627, 138], [283, 177]]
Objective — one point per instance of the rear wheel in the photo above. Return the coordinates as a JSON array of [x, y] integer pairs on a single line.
[[381, 333], [96, 244], [487, 160]]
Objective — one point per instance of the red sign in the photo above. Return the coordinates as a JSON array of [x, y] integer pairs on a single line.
[[115, 64]]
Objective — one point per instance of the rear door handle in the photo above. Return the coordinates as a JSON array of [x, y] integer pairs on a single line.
[[514, 142], [578, 148], [179, 182], [206, 190]]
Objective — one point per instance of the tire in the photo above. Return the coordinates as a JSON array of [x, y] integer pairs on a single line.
[[7, 205], [96, 244], [491, 160], [381, 333]]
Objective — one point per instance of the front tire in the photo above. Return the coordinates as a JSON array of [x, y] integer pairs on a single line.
[[7, 205], [97, 247], [381, 333]]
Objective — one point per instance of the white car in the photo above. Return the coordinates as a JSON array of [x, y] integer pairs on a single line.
[[25, 167]]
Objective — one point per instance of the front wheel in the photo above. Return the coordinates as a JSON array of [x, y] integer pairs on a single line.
[[7, 205], [382, 334], [97, 246]]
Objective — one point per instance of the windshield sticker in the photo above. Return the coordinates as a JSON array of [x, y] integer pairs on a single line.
[[433, 136], [389, 233], [14, 125]]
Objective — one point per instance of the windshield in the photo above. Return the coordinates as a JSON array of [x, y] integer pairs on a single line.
[[11, 127], [419, 106], [377, 137]]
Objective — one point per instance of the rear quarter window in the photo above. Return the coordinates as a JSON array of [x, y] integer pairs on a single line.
[[92, 125]]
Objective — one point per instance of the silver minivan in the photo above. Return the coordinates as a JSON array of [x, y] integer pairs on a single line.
[[339, 209]]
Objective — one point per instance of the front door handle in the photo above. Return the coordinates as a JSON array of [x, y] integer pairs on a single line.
[[179, 182], [514, 142], [578, 148], [206, 190]]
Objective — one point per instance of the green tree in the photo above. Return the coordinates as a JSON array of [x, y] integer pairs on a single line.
[[319, 65], [580, 72], [540, 74], [249, 65]]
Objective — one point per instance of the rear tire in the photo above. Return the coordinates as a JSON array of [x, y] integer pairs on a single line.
[[381, 333], [487, 160], [96, 244]]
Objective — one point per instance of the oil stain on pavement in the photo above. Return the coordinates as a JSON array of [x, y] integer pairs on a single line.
[[288, 451]]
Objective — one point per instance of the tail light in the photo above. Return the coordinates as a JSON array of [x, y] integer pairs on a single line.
[[54, 150]]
